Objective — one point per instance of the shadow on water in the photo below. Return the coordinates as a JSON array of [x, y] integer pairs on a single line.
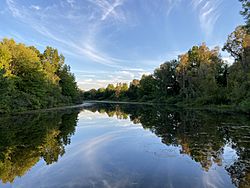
[[25, 139]]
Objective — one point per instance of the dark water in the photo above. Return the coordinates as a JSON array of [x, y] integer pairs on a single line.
[[110, 145]]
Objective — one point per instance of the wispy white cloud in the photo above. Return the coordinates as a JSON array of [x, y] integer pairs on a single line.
[[103, 78], [86, 49], [85, 43], [109, 9], [12, 7], [171, 4], [35, 7], [196, 3], [208, 13]]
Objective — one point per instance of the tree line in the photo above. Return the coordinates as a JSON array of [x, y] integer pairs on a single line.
[[198, 77], [30, 79]]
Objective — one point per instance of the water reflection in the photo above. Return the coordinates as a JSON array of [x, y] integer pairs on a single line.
[[208, 139], [202, 136], [26, 138]]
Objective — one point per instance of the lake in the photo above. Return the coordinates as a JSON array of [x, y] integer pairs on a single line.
[[124, 145]]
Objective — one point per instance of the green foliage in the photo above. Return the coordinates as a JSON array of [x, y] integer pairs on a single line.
[[246, 12], [198, 77], [32, 80], [67, 83], [147, 89], [238, 45], [166, 77], [133, 90], [199, 72]]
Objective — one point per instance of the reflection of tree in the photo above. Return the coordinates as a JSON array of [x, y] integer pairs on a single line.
[[110, 110], [240, 170], [16, 162], [25, 139], [52, 148], [202, 136]]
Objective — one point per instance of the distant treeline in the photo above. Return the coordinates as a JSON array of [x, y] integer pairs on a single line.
[[30, 79], [198, 77]]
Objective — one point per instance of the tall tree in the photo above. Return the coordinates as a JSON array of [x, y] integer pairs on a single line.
[[197, 71], [31, 80], [167, 79], [147, 87], [133, 91], [238, 45], [67, 82]]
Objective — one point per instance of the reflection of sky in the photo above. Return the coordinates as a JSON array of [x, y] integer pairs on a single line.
[[229, 155], [105, 153]]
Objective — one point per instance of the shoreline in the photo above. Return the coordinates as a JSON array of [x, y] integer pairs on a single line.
[[43, 110], [213, 108]]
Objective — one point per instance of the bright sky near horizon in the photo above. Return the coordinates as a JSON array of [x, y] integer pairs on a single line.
[[110, 41]]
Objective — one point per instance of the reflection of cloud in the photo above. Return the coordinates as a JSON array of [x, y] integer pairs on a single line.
[[106, 154], [229, 155], [91, 147], [212, 179]]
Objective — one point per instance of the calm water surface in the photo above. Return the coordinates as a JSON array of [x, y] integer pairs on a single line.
[[111, 145]]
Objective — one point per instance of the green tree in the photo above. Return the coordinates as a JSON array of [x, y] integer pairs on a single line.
[[109, 91], [167, 79], [133, 90], [147, 87], [32, 80], [67, 83], [238, 46], [199, 72]]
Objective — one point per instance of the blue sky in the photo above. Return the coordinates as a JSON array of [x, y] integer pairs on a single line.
[[110, 41]]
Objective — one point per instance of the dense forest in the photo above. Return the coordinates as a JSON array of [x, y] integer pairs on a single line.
[[198, 77], [30, 79]]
